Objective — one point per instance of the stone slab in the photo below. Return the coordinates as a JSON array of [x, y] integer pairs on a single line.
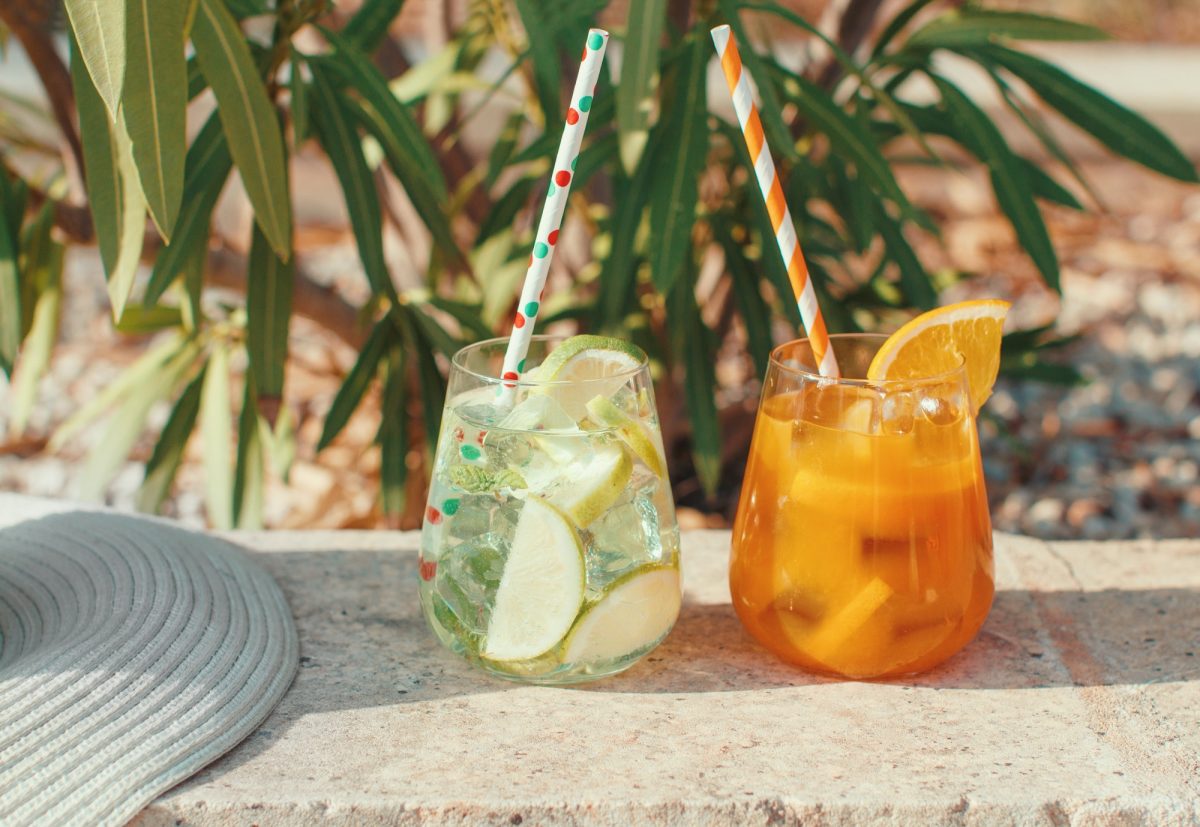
[[1079, 704]]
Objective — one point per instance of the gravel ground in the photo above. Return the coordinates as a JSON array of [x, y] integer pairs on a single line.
[[1115, 458]]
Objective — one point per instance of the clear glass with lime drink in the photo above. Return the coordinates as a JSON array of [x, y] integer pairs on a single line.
[[550, 552]]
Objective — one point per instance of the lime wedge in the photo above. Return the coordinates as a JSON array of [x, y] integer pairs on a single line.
[[634, 434], [591, 365], [592, 484], [541, 589], [636, 611]]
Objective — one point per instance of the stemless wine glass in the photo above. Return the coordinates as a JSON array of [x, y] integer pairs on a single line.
[[862, 546], [550, 551]]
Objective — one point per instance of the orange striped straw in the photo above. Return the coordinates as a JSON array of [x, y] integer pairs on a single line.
[[777, 208]]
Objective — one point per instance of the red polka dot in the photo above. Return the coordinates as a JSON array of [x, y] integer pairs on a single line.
[[553, 237], [459, 435], [482, 435], [433, 515], [562, 177], [572, 116], [584, 56], [519, 322], [428, 570], [510, 374]]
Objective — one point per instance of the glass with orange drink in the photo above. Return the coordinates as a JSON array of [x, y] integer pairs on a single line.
[[862, 546]]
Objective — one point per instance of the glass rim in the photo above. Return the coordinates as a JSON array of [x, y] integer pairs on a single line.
[[955, 373], [458, 364]]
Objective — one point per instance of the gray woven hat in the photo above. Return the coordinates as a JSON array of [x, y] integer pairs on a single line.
[[132, 653]]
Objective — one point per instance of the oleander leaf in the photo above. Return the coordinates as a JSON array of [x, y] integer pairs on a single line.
[[250, 468], [1119, 128], [298, 88], [217, 432], [618, 273], [10, 292], [44, 270], [100, 163], [132, 224], [249, 120], [369, 25], [154, 104], [1009, 179], [691, 342], [639, 70], [269, 288], [392, 435], [543, 54], [748, 294], [972, 26], [163, 465], [680, 160], [99, 29], [357, 381], [433, 386], [335, 130], [157, 378], [406, 149], [918, 288], [206, 170]]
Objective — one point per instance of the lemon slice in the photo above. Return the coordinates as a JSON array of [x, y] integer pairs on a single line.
[[541, 589], [632, 432], [586, 366], [636, 611], [592, 484], [934, 342]]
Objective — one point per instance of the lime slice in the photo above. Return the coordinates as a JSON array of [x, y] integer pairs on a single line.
[[541, 589], [592, 484], [635, 612], [634, 434], [586, 362]]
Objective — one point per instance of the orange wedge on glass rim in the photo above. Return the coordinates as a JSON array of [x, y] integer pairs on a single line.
[[935, 342]]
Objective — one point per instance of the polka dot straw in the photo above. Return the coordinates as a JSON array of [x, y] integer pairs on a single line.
[[556, 202], [772, 192]]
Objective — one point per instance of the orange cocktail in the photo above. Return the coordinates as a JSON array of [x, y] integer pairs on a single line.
[[862, 545]]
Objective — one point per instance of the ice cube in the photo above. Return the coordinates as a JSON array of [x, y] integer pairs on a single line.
[[473, 516], [623, 538], [538, 412], [861, 411], [898, 413], [940, 410], [468, 576]]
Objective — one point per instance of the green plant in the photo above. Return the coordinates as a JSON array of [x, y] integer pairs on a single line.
[[663, 190]]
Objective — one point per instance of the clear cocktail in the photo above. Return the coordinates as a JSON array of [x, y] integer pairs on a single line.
[[550, 551]]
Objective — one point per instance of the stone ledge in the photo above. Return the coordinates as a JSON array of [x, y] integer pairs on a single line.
[[1079, 703]]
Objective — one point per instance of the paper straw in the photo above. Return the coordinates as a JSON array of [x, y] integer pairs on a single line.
[[772, 193], [556, 202]]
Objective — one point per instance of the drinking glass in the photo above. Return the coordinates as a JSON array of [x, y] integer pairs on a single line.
[[862, 546], [549, 551]]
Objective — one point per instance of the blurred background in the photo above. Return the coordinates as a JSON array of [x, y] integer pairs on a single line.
[[1094, 429]]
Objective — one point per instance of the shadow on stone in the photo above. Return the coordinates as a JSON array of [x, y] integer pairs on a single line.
[[1030, 640]]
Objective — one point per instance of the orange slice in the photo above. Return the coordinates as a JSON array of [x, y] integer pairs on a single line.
[[934, 342]]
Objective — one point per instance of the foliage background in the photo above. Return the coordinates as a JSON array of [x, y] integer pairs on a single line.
[[640, 263]]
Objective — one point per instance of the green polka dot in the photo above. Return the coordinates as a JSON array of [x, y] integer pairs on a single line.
[[450, 507], [574, 162], [531, 309], [550, 191], [469, 452], [521, 366], [585, 103], [595, 42], [540, 250]]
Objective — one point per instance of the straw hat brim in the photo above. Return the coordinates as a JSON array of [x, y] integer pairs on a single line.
[[132, 654]]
